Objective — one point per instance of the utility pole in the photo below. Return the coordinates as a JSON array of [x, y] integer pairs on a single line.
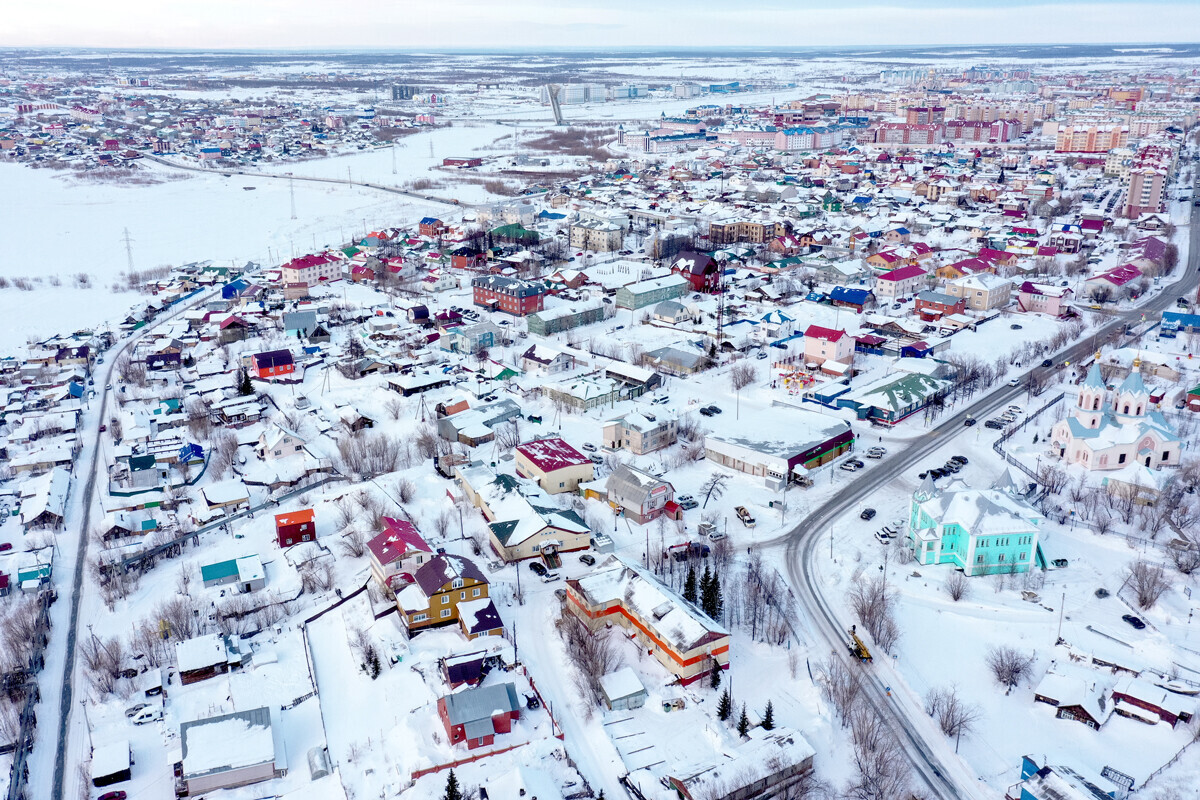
[[1061, 605], [128, 249], [393, 156]]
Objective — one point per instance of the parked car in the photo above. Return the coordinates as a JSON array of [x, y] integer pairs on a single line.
[[715, 409], [587, 559], [1134, 621], [4, 548], [1102, 593], [881, 538], [661, 400], [850, 466], [115, 795], [867, 514], [538, 568], [877, 452], [1015, 327], [717, 536], [745, 516], [148, 714], [133, 711], [551, 577], [683, 498], [994, 424], [961, 460], [706, 412], [761, 355], [561, 594], [687, 505], [596, 459], [591, 448], [969, 421]]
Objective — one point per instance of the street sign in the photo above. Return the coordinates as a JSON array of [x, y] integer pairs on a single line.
[[1119, 778]]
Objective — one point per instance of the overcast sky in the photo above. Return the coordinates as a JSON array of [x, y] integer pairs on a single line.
[[585, 23]]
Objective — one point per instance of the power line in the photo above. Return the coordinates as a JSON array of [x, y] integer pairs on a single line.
[[292, 193], [129, 249]]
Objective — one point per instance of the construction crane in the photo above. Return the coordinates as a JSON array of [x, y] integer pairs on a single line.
[[857, 648], [552, 90]]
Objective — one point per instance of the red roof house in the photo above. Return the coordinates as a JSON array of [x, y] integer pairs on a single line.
[[295, 527], [397, 552]]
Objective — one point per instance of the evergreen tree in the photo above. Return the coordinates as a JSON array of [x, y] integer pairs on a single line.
[[705, 580], [689, 586], [715, 677], [768, 721], [245, 387], [743, 722], [711, 602], [725, 706], [452, 790]]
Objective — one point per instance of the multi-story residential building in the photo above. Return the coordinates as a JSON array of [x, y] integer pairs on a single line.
[[1092, 139], [907, 133], [1042, 298], [981, 532], [925, 115], [583, 392], [932, 306], [651, 292], [982, 291], [397, 552], [597, 236], [512, 295], [641, 432], [564, 318], [826, 344], [312, 269], [743, 230], [1001, 130], [639, 495], [685, 641], [898, 283]]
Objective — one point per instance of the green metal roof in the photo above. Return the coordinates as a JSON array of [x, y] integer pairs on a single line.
[[222, 569]]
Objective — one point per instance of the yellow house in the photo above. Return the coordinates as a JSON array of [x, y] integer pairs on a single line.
[[554, 464]]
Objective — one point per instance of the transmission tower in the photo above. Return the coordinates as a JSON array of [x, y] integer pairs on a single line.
[[393, 156], [292, 193], [129, 249]]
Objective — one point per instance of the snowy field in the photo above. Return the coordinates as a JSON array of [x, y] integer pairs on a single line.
[[53, 224]]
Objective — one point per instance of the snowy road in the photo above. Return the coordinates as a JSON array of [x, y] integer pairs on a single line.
[[946, 775]]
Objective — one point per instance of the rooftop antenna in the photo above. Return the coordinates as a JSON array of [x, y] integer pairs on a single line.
[[129, 249]]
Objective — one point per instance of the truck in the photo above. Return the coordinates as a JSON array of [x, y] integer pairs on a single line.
[[857, 648], [745, 516], [685, 550]]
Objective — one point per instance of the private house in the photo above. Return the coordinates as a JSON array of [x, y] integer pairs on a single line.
[[204, 657], [244, 574], [684, 358], [522, 530], [397, 552], [981, 532], [965, 267], [682, 639], [983, 291], [670, 312], [826, 344], [474, 716], [278, 442], [554, 464], [857, 298], [312, 269], [898, 283], [1053, 783], [641, 432], [469, 339], [702, 272], [1112, 430], [547, 360], [272, 364], [295, 527], [431, 227], [443, 582], [1042, 298], [766, 764], [1113, 279], [210, 763], [511, 295], [639, 495], [1141, 700], [932, 306], [1079, 697], [476, 426], [583, 392]]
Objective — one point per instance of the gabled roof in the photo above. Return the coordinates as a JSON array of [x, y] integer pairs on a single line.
[[828, 334], [398, 538], [442, 569], [552, 454]]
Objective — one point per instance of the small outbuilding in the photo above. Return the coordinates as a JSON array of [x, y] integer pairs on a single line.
[[112, 762], [623, 690]]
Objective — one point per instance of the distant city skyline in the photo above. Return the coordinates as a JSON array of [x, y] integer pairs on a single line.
[[592, 23]]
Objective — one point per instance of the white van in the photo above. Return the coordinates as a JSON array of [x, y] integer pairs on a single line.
[[149, 714]]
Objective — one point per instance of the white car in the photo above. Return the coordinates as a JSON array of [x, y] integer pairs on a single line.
[[1015, 382], [850, 466], [591, 448], [551, 577], [877, 452]]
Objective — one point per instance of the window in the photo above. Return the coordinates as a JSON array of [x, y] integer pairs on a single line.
[[420, 617], [445, 599], [445, 613], [462, 595], [1121, 458], [456, 583], [1166, 454], [1001, 558], [476, 592], [561, 484], [278, 452], [978, 559], [1022, 556]]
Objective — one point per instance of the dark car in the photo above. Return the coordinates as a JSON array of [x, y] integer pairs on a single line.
[[960, 460], [969, 421], [715, 409], [1015, 326], [706, 412], [868, 513], [538, 569], [588, 559], [1134, 621], [1047, 363], [5, 547]]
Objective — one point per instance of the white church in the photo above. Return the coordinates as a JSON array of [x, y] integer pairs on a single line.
[[1107, 433]]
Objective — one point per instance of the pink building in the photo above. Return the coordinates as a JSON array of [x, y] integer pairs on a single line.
[[826, 344], [1041, 298]]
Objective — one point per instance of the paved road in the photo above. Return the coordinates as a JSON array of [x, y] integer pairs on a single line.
[[89, 500], [911, 726]]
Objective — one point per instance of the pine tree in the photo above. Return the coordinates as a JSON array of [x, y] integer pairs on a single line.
[[711, 602], [452, 790], [768, 720], [715, 677], [689, 586], [245, 387], [725, 707], [743, 722]]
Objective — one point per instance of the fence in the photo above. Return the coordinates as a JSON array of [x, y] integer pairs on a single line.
[[19, 772], [998, 445], [137, 559]]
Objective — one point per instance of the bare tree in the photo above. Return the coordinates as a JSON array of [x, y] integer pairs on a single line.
[[406, 490], [1185, 555], [958, 586], [714, 487], [353, 544], [742, 374], [593, 653], [1008, 665], [1148, 582], [882, 768], [954, 717], [874, 605], [841, 685]]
